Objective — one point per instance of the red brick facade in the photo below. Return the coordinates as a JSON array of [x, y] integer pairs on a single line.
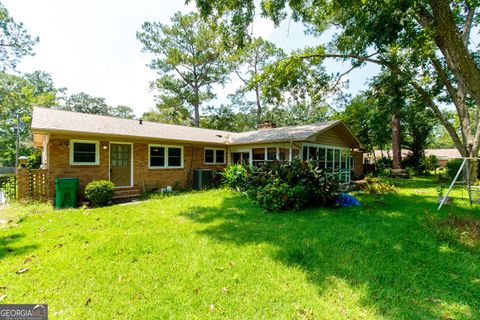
[[144, 179]]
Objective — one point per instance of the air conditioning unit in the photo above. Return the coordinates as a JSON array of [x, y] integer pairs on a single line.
[[202, 179]]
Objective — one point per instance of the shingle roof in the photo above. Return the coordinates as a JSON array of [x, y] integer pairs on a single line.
[[52, 120], [442, 154], [293, 133]]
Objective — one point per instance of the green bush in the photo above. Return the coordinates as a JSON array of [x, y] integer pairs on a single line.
[[375, 185], [384, 163], [278, 186], [452, 168], [234, 176], [100, 192], [431, 162]]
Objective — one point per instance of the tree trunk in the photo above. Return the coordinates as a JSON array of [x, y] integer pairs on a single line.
[[196, 107], [259, 105], [396, 143]]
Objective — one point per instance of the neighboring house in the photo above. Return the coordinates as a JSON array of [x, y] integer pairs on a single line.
[[145, 155], [443, 155]]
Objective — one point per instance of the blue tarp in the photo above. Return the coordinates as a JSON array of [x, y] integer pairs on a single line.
[[346, 200]]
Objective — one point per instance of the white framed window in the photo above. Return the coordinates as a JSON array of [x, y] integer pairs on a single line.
[[165, 156], [84, 152], [214, 156]]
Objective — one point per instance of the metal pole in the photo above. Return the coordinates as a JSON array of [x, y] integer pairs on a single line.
[[451, 185], [18, 140]]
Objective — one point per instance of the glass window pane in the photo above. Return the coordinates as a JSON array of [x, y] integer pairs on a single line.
[[258, 154], [209, 153], [283, 154], [337, 159], [84, 152], [157, 161], [305, 153], [220, 156], [84, 157], [322, 158], [174, 157], [312, 153], [329, 158], [271, 154], [84, 147], [295, 153], [157, 151]]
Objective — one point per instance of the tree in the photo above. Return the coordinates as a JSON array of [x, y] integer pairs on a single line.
[[369, 123], [18, 95], [251, 61], [83, 102], [190, 59], [15, 42], [434, 33], [418, 123], [122, 111]]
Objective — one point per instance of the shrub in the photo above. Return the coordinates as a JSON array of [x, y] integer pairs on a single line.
[[384, 163], [280, 186], [99, 192], [376, 185], [234, 176], [431, 162], [452, 168]]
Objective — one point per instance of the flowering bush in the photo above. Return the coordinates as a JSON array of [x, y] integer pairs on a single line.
[[278, 186]]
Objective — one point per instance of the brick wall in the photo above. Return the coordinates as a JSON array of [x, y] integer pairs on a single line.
[[144, 179]]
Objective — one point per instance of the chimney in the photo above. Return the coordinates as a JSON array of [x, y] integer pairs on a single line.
[[266, 125]]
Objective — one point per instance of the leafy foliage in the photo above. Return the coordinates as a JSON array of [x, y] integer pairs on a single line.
[[15, 42], [280, 186], [452, 168], [376, 185], [83, 102], [190, 59], [100, 192]]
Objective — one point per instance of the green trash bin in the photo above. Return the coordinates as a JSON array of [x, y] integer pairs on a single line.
[[66, 192]]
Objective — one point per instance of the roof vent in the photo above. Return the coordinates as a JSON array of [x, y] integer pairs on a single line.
[[266, 125], [140, 121]]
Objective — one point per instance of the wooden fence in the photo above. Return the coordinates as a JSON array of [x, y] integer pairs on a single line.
[[32, 184]]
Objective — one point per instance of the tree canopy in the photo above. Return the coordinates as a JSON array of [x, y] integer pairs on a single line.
[[189, 58], [15, 41]]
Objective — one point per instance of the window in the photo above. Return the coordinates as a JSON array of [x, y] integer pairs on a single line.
[[337, 159], [322, 157], [165, 156], [258, 155], [329, 158], [214, 156], [174, 157], [271, 154], [84, 152], [283, 154], [157, 157]]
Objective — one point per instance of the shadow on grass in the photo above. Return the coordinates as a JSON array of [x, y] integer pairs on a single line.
[[8, 247], [383, 246]]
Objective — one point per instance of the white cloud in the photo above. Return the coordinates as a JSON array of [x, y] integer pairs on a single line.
[[262, 27]]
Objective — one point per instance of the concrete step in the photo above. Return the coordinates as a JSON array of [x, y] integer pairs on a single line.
[[126, 193]]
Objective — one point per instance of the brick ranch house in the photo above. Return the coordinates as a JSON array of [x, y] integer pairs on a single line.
[[140, 156]]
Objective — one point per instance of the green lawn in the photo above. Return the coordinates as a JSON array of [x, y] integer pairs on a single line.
[[215, 255]]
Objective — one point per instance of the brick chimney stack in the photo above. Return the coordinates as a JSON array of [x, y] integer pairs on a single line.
[[266, 125]]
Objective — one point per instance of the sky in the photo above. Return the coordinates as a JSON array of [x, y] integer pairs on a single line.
[[91, 46]]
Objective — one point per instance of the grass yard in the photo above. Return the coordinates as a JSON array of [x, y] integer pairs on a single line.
[[215, 255]]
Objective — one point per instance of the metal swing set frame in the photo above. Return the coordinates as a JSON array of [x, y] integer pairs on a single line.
[[470, 189]]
